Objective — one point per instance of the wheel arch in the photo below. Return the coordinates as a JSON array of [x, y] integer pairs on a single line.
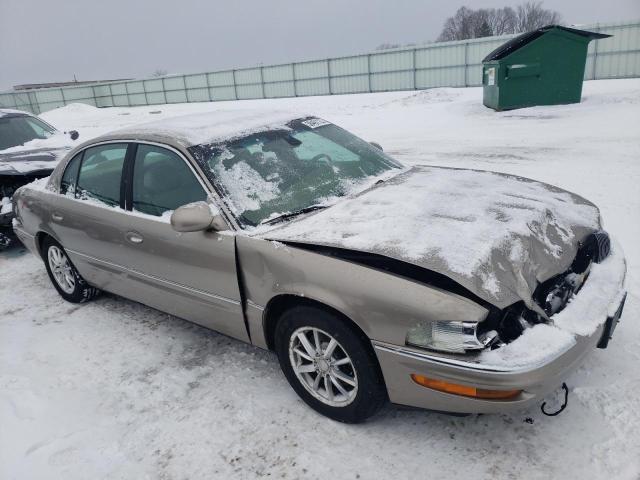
[[283, 302], [39, 240]]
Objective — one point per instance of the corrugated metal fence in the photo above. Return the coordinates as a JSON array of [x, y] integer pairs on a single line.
[[448, 64]]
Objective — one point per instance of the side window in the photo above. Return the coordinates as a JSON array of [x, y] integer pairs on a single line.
[[70, 176], [162, 181], [101, 173]]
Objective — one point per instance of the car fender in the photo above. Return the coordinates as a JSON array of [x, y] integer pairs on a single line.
[[383, 305]]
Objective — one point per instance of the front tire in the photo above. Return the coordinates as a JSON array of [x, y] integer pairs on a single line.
[[330, 364], [63, 274]]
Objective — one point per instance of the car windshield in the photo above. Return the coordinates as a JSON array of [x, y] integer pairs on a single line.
[[276, 174], [18, 130]]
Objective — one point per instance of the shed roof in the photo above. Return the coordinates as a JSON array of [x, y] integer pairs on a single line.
[[526, 38]]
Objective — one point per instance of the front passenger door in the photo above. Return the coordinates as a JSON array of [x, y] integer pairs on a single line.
[[191, 275]]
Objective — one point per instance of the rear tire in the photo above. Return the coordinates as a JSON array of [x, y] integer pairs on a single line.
[[63, 274], [334, 352]]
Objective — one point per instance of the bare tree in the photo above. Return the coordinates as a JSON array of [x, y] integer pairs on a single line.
[[469, 23], [531, 15], [458, 27], [484, 30], [503, 20], [159, 72]]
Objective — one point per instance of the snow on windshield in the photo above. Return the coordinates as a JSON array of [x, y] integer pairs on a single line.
[[247, 189]]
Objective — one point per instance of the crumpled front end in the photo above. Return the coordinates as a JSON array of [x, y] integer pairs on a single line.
[[526, 368], [497, 235], [18, 168]]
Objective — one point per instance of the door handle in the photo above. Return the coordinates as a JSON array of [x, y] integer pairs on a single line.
[[134, 237], [56, 217]]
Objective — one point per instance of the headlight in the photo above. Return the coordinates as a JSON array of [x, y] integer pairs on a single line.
[[448, 336]]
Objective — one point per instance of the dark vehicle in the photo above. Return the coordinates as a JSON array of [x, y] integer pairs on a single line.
[[30, 148]]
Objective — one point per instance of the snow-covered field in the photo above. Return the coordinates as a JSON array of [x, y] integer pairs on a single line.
[[113, 389]]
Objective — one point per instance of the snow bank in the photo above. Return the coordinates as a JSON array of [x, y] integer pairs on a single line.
[[71, 110]]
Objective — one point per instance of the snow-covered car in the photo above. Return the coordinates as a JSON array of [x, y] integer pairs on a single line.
[[448, 289], [29, 149]]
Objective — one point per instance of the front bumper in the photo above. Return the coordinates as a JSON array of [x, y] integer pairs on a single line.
[[535, 373], [6, 212], [398, 363], [5, 220]]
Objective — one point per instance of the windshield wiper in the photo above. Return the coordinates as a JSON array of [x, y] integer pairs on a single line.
[[287, 216]]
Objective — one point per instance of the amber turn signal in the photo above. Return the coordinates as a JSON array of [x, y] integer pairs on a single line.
[[463, 390]]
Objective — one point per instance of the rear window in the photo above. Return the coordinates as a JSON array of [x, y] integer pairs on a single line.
[[70, 176], [101, 173]]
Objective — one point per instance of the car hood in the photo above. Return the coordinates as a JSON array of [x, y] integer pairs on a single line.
[[25, 162], [495, 234]]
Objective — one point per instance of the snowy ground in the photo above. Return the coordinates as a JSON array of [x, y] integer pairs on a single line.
[[113, 389]]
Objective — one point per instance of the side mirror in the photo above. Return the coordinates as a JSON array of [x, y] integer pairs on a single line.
[[377, 145], [74, 134], [196, 217]]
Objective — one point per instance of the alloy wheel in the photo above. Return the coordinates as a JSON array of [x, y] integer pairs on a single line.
[[323, 366], [61, 269]]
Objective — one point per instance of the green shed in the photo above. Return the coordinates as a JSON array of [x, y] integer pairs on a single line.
[[542, 67]]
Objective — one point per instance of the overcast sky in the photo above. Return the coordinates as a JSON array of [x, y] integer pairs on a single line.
[[45, 41]]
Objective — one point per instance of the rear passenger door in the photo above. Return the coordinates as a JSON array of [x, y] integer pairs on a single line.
[[192, 275], [88, 219]]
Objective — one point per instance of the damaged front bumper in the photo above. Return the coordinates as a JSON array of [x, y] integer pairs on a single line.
[[6, 212], [533, 365]]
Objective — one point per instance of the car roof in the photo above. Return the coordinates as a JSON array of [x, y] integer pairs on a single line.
[[8, 112], [203, 128]]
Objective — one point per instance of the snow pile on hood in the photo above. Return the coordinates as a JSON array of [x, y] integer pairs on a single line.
[[38, 154], [495, 234], [598, 299]]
